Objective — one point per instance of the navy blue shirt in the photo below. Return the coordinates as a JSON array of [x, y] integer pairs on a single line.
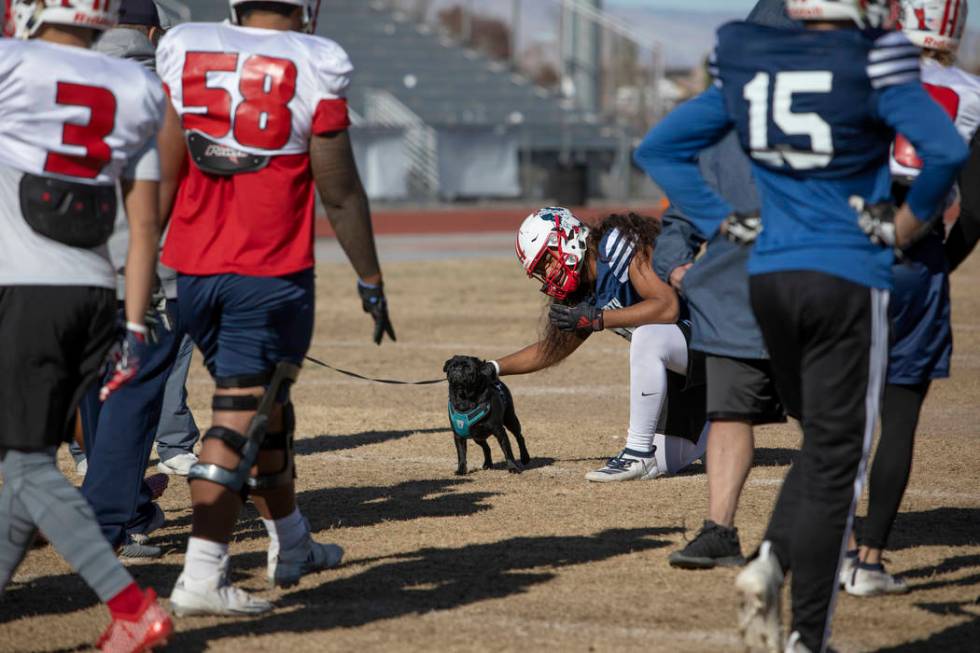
[[817, 112], [613, 288]]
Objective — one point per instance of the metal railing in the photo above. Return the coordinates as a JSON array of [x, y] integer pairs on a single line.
[[421, 146]]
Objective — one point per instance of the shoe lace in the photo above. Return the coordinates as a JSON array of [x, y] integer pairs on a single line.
[[619, 462]]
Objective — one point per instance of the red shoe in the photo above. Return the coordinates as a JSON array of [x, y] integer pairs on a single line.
[[158, 485], [144, 631]]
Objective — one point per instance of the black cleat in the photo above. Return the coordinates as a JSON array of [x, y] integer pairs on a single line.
[[713, 546]]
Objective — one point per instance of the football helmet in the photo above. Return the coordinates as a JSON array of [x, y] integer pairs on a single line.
[[557, 233], [311, 9], [881, 14], [27, 16], [934, 24]]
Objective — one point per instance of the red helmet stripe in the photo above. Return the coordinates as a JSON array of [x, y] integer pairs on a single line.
[[945, 23]]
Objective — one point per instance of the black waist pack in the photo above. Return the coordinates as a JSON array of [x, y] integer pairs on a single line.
[[217, 159], [73, 214]]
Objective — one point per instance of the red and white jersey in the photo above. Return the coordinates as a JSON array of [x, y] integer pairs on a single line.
[[264, 92], [958, 92], [73, 114]]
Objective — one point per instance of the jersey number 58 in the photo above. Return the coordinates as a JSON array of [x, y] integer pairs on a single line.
[[262, 119], [756, 92]]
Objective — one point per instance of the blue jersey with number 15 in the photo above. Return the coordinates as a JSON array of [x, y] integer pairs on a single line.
[[817, 112]]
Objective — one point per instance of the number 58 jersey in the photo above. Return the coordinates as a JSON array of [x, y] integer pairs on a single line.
[[249, 101]]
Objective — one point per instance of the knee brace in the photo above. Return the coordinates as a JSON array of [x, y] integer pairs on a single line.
[[281, 441], [246, 445]]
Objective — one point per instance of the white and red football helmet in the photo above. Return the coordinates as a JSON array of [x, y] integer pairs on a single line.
[[881, 14], [934, 24], [27, 16], [311, 9], [555, 232]]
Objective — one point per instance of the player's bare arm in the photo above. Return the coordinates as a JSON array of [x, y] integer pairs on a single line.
[[141, 198], [659, 306], [346, 203], [539, 356], [173, 156]]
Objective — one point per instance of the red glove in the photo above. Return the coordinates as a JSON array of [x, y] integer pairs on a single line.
[[131, 353]]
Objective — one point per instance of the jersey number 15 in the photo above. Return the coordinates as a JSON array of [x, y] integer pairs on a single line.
[[262, 119], [756, 92]]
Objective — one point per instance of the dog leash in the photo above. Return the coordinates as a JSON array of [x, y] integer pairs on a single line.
[[368, 378]]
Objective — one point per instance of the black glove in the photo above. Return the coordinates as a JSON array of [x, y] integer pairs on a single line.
[[877, 221], [742, 228], [583, 317], [374, 303]]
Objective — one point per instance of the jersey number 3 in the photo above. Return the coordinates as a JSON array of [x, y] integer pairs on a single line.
[[262, 119], [90, 136], [756, 92]]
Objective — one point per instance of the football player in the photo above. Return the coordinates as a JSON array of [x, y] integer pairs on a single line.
[[262, 124], [602, 278], [919, 307], [817, 109], [74, 124]]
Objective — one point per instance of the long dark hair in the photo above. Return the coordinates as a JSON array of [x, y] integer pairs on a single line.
[[640, 231]]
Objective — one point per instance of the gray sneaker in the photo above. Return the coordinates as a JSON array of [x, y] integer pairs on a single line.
[[136, 547]]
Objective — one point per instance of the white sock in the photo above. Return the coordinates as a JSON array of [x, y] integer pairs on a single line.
[[286, 533], [640, 445], [203, 559]]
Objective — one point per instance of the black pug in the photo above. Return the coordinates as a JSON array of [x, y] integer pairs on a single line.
[[480, 405]]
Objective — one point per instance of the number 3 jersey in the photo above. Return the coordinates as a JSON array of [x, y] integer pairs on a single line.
[[76, 116], [249, 101]]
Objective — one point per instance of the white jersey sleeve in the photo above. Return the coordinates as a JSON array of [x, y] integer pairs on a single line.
[[75, 115], [72, 113], [260, 91], [958, 92]]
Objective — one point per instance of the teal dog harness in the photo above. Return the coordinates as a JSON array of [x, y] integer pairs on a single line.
[[464, 421]]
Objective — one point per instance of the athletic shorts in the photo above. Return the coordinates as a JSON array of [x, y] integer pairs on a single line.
[[742, 389], [921, 342], [245, 326], [54, 345]]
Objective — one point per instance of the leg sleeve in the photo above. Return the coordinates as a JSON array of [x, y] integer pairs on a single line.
[[45, 498], [654, 349]]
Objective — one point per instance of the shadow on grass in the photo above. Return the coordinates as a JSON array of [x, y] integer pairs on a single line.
[[936, 527], [324, 443], [961, 637], [353, 507], [774, 457], [431, 579]]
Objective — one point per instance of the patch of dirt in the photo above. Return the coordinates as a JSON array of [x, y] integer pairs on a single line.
[[497, 562]]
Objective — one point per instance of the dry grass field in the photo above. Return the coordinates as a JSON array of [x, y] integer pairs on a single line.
[[541, 561]]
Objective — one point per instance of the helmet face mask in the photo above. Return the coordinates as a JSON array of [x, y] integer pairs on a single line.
[[880, 14], [934, 24], [551, 246], [311, 9], [27, 16]]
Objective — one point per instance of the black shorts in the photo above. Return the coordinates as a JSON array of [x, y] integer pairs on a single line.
[[742, 389], [55, 340]]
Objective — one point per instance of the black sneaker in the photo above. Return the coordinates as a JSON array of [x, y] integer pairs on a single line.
[[713, 546]]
